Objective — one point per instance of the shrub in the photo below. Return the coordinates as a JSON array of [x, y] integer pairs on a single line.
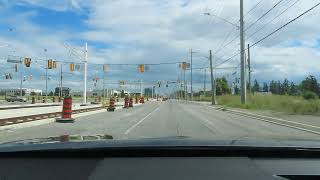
[[309, 95]]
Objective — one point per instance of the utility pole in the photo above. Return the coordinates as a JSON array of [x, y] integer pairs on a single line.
[[243, 62], [191, 74], [213, 100], [85, 74], [204, 83], [249, 68]]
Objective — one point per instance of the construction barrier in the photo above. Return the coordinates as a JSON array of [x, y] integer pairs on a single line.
[[66, 111], [111, 105], [142, 100], [33, 100], [126, 102], [131, 102]]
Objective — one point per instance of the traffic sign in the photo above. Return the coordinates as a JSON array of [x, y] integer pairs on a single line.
[[14, 61]]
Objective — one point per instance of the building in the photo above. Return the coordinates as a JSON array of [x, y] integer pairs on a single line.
[[65, 91], [25, 92]]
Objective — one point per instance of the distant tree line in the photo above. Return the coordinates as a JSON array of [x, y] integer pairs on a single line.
[[308, 88]]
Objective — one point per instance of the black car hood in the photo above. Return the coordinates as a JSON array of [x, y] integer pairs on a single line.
[[107, 141]]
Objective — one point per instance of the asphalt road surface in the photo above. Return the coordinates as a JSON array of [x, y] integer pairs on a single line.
[[163, 119]]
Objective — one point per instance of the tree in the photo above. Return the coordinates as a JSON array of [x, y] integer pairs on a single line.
[[310, 84], [256, 86], [236, 90], [293, 89], [265, 87], [222, 86], [273, 87], [50, 94], [285, 87]]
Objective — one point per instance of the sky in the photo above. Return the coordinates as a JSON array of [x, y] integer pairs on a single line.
[[155, 31]]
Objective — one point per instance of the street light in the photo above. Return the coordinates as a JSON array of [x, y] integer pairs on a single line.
[[225, 20]]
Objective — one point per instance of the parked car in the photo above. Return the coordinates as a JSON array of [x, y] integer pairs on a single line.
[[16, 98]]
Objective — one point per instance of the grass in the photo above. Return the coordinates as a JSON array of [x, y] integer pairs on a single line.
[[289, 104]]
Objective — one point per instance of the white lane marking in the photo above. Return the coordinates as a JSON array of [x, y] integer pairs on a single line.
[[139, 122]]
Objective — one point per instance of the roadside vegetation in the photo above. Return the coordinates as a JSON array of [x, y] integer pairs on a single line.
[[280, 103], [285, 96]]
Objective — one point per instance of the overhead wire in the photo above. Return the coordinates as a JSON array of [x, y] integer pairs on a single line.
[[266, 13], [285, 10], [270, 34]]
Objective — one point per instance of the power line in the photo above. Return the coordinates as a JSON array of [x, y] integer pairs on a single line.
[[286, 24], [258, 20], [285, 10], [278, 29], [264, 15], [255, 6]]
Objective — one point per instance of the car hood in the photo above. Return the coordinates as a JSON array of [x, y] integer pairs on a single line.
[[107, 141]]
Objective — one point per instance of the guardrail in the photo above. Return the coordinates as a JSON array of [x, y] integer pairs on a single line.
[[23, 119]]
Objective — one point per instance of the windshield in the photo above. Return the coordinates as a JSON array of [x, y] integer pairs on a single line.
[[204, 70]]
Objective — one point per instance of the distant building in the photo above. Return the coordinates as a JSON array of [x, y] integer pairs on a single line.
[[65, 91], [25, 92], [148, 92]]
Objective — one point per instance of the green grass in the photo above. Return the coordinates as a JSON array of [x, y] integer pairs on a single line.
[[289, 104]]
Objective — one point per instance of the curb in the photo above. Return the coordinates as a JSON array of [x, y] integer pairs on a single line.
[[278, 121]]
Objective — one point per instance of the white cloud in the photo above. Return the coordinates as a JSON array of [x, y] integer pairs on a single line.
[[153, 31]]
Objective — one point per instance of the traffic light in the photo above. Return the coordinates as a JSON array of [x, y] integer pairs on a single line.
[[77, 66], [27, 62], [54, 64], [141, 68], [105, 68], [50, 64], [8, 76], [71, 67]]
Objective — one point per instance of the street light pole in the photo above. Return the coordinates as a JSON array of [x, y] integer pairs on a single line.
[[104, 91], [85, 75], [46, 67]]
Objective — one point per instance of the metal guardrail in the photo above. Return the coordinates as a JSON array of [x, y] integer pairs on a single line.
[[23, 119], [22, 107]]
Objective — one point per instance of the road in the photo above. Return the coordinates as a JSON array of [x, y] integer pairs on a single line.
[[163, 119]]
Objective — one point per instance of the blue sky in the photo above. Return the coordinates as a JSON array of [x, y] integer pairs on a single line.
[[148, 31]]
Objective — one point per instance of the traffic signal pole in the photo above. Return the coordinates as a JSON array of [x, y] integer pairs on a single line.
[[21, 76], [60, 91]]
